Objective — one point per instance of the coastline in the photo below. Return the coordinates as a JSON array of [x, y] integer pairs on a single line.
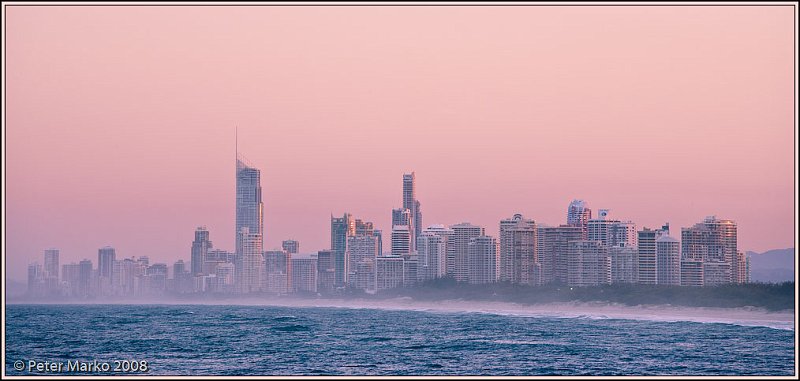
[[745, 316]]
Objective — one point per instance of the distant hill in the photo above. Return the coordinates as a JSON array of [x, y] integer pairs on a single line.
[[772, 266]]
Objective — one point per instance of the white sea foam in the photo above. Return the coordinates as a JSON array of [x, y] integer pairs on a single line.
[[745, 316]]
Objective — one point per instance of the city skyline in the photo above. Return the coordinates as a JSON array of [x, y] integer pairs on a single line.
[[142, 182]]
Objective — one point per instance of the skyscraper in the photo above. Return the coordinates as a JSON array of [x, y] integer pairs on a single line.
[[668, 260], [291, 246], [553, 248], [304, 274], [646, 242], [35, 280], [70, 274], [277, 272], [483, 260], [326, 270], [611, 232], [105, 270], [401, 241], [51, 263], [86, 277], [433, 245], [361, 253], [200, 247], [710, 248], [462, 234], [401, 216], [588, 264], [105, 261], [364, 228], [249, 208], [216, 257], [519, 263], [389, 272], [341, 228], [624, 263], [579, 214], [249, 262], [411, 203]]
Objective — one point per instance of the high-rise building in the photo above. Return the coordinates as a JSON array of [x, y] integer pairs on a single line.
[[70, 275], [411, 203], [553, 248], [462, 234], [291, 246], [105, 261], [105, 270], [86, 279], [341, 228], [411, 270], [379, 236], [36, 285], [624, 263], [401, 216], [277, 272], [668, 260], [125, 277], [181, 278], [483, 260], [401, 241], [364, 228], [743, 262], [611, 232], [389, 271], [579, 214], [51, 263], [224, 280], [588, 264], [433, 245], [710, 248], [326, 270], [361, 253], [200, 247], [249, 208], [155, 279], [216, 257], [304, 274], [646, 240], [249, 262], [519, 262]]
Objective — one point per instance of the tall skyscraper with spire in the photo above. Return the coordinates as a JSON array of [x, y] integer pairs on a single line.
[[249, 225], [411, 203], [249, 208]]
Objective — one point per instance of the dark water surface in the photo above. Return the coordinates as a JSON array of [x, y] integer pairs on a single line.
[[266, 340]]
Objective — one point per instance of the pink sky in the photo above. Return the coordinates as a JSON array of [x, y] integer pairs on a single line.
[[120, 120]]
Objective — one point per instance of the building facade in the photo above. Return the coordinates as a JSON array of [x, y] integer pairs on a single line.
[[463, 233], [553, 249], [519, 262], [588, 264], [483, 260], [668, 260]]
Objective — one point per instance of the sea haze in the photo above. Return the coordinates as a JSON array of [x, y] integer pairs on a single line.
[[333, 340]]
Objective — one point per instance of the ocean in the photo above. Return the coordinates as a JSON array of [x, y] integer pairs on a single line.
[[277, 340]]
